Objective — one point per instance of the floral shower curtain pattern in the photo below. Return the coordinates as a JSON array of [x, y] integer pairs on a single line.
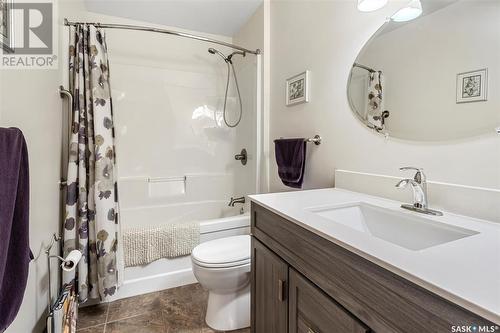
[[375, 99], [91, 221]]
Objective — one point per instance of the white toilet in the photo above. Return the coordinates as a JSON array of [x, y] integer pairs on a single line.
[[223, 267]]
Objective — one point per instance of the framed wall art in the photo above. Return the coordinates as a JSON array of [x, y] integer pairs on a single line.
[[297, 89], [472, 86]]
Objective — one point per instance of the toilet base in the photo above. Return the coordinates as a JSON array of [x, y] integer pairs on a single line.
[[229, 311]]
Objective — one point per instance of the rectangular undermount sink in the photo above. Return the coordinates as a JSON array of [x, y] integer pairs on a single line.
[[400, 228]]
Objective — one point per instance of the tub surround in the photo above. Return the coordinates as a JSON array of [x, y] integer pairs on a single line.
[[464, 271]]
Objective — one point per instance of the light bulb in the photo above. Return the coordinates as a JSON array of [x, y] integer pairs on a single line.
[[370, 5], [408, 13]]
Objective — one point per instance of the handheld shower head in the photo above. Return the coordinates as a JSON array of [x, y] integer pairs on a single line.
[[230, 66], [214, 51]]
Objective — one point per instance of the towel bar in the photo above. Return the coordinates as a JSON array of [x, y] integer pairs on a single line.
[[316, 139], [166, 179]]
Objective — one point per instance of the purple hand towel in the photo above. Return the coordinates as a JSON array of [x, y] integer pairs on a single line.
[[291, 160], [15, 253]]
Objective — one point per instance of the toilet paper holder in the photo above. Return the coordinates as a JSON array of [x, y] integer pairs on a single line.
[[55, 239]]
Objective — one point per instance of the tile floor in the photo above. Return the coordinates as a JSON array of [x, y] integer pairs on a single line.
[[177, 310]]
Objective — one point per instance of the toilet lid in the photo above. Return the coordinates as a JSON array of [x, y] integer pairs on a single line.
[[223, 252]]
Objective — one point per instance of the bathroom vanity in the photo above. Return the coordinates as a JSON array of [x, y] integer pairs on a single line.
[[312, 272]]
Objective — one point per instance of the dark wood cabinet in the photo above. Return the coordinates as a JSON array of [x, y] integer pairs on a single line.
[[304, 283], [269, 291], [284, 301], [312, 311]]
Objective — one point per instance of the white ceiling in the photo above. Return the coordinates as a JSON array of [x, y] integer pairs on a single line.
[[221, 17]]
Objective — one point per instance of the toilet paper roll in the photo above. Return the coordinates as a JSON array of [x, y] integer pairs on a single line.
[[71, 260]]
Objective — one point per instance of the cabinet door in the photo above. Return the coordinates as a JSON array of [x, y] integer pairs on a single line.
[[269, 291], [312, 311]]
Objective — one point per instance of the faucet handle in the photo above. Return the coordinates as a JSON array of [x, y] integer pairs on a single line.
[[403, 183], [419, 175]]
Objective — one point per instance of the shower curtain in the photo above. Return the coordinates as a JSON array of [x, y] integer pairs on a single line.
[[375, 99], [91, 221]]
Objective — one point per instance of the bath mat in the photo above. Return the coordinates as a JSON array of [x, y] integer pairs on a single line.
[[143, 245]]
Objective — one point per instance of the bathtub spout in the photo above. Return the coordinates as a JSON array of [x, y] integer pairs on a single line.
[[234, 201]]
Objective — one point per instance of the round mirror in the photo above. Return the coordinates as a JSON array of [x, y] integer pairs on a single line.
[[434, 78]]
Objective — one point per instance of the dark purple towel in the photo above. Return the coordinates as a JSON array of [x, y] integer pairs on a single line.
[[15, 253], [291, 160]]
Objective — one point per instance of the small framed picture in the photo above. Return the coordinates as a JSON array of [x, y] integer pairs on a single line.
[[297, 89], [472, 86]]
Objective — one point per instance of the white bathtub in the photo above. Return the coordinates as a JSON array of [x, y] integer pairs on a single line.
[[217, 220]]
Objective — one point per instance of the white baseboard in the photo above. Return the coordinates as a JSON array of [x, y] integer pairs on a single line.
[[149, 284]]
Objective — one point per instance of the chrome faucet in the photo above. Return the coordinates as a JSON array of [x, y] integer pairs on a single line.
[[234, 201], [419, 187]]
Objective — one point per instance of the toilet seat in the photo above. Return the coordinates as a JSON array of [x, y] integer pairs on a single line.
[[223, 252], [223, 265]]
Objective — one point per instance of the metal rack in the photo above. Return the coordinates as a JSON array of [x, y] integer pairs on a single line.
[[66, 138], [54, 240], [51, 304]]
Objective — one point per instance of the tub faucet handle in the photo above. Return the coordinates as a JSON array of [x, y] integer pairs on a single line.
[[242, 156]]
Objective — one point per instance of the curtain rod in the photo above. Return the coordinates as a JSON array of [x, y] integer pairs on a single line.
[[371, 70], [163, 31]]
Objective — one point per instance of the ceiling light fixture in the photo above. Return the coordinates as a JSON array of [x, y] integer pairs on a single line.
[[408, 13], [370, 5]]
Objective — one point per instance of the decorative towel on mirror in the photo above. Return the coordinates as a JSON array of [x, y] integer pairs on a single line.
[[291, 159], [375, 99], [15, 253], [143, 245]]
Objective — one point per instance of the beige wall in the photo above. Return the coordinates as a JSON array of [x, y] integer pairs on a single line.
[[252, 36], [325, 37], [29, 101]]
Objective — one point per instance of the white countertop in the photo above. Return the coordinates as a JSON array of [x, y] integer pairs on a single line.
[[465, 271]]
